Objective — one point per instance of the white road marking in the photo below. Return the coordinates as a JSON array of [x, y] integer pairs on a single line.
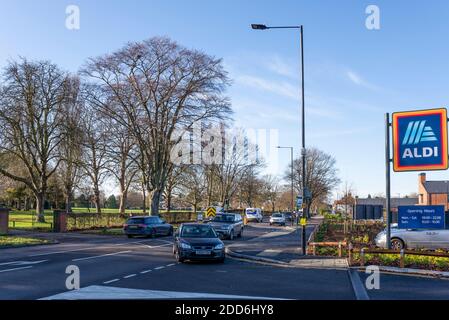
[[21, 263], [102, 247], [103, 292], [111, 281], [159, 268], [103, 255], [145, 271], [129, 276], [357, 285], [171, 265], [15, 269]]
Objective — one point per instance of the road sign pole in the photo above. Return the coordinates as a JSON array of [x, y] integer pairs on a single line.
[[387, 178]]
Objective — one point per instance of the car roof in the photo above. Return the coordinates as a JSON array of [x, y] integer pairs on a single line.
[[143, 217], [194, 224]]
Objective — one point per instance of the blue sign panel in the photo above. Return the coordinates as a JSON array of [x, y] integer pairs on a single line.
[[420, 140], [299, 202], [421, 217]]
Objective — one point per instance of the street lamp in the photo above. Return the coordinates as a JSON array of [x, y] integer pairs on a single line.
[[303, 118], [291, 156]]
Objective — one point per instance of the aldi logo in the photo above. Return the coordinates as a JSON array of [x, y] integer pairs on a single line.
[[420, 140]]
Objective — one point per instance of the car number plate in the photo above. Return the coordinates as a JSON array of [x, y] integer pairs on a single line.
[[133, 227], [203, 252]]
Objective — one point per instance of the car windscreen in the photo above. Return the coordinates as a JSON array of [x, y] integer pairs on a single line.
[[198, 231], [224, 218], [136, 221], [277, 215], [152, 220]]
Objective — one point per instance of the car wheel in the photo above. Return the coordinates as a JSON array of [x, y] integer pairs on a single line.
[[221, 260], [231, 235], [129, 236], [397, 244]]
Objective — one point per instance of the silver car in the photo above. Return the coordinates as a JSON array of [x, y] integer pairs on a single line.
[[414, 238], [277, 218]]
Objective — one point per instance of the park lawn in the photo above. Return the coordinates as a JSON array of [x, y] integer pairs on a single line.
[[12, 241]]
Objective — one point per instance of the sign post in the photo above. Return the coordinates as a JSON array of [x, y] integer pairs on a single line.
[[387, 179], [420, 143]]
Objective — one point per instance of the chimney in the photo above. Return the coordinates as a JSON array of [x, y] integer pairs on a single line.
[[422, 178]]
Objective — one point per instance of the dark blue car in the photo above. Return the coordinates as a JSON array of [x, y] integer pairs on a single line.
[[147, 226]]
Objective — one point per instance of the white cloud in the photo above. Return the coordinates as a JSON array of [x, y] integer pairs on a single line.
[[280, 67], [358, 80], [282, 88]]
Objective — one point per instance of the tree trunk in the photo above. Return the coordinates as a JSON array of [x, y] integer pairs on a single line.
[[40, 207], [97, 201], [123, 199], [155, 201], [169, 202], [144, 195]]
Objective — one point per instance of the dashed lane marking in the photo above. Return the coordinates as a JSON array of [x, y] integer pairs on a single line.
[[159, 268], [111, 281], [103, 255], [145, 271], [130, 276], [15, 269]]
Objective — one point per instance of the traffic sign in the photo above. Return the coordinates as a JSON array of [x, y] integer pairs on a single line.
[[420, 140], [303, 222], [299, 201], [421, 217], [211, 212]]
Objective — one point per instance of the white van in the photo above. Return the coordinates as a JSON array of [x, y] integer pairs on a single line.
[[254, 214]]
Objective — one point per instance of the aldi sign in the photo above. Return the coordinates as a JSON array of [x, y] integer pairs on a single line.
[[420, 140], [421, 217]]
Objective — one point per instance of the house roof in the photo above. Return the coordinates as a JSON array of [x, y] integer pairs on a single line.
[[436, 186], [395, 202]]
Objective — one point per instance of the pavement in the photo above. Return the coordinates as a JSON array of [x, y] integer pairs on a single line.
[[282, 245], [114, 267]]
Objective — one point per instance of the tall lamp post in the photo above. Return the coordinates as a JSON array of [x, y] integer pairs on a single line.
[[305, 212], [292, 184]]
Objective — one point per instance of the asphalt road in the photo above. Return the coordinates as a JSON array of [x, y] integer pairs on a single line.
[[148, 264]]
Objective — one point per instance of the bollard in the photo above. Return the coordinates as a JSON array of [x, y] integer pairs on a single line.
[[362, 257], [402, 258], [339, 249], [314, 249], [59, 221], [350, 254]]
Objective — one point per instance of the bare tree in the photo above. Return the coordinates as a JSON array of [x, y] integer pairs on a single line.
[[153, 88], [70, 148], [121, 152], [271, 190], [192, 185], [95, 160], [31, 100], [321, 175]]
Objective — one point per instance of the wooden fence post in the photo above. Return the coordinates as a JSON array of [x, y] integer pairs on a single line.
[[339, 250], [350, 254], [362, 257], [313, 249], [402, 258]]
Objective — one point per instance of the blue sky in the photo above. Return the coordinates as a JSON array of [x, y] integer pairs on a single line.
[[353, 75]]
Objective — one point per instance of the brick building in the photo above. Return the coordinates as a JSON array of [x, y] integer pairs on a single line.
[[433, 192]]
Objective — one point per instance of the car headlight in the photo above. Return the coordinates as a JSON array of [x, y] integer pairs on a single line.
[[219, 246], [185, 245]]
